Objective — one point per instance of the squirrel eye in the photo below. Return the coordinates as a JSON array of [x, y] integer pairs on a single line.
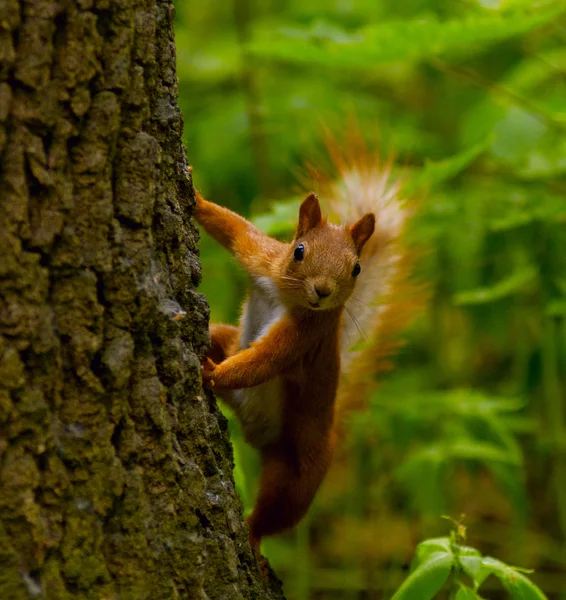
[[356, 270], [299, 252]]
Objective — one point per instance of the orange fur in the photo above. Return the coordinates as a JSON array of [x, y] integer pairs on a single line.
[[223, 341], [300, 347], [388, 300], [280, 369], [255, 250]]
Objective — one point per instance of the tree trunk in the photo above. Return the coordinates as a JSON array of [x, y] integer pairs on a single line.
[[115, 469]]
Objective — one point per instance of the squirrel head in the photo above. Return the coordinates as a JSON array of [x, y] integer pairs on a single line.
[[323, 261]]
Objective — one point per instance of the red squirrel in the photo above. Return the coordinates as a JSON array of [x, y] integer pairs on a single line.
[[296, 348]]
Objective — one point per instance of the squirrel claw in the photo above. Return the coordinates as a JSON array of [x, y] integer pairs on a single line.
[[207, 364], [262, 562], [207, 384], [264, 568], [207, 367]]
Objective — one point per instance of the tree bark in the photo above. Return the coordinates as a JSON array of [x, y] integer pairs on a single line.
[[115, 468]]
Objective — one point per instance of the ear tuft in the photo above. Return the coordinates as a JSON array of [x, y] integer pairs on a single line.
[[363, 230], [309, 215]]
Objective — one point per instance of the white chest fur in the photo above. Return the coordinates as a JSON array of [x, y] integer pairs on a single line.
[[259, 408], [262, 310]]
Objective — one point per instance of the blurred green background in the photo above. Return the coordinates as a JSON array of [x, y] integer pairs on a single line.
[[471, 98]]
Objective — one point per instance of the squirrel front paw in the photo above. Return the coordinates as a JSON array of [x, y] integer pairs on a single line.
[[207, 367]]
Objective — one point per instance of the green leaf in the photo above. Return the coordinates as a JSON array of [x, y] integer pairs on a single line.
[[487, 452], [427, 579], [442, 170], [419, 460], [518, 585], [465, 551], [431, 546], [543, 207], [522, 588], [466, 593], [323, 44], [474, 567], [516, 282]]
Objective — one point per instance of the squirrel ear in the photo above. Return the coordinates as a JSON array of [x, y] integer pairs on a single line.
[[309, 215], [363, 230]]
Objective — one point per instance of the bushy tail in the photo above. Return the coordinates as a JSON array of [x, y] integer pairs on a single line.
[[385, 299]]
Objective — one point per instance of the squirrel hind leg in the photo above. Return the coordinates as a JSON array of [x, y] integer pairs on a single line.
[[223, 341], [255, 543], [262, 562]]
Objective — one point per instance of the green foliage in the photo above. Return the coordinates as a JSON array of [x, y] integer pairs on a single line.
[[515, 283], [436, 559], [281, 220], [471, 98], [431, 570], [435, 172], [329, 46]]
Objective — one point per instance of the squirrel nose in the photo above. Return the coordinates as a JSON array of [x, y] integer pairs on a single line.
[[322, 292]]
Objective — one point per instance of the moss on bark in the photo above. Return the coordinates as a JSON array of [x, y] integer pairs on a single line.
[[115, 469]]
